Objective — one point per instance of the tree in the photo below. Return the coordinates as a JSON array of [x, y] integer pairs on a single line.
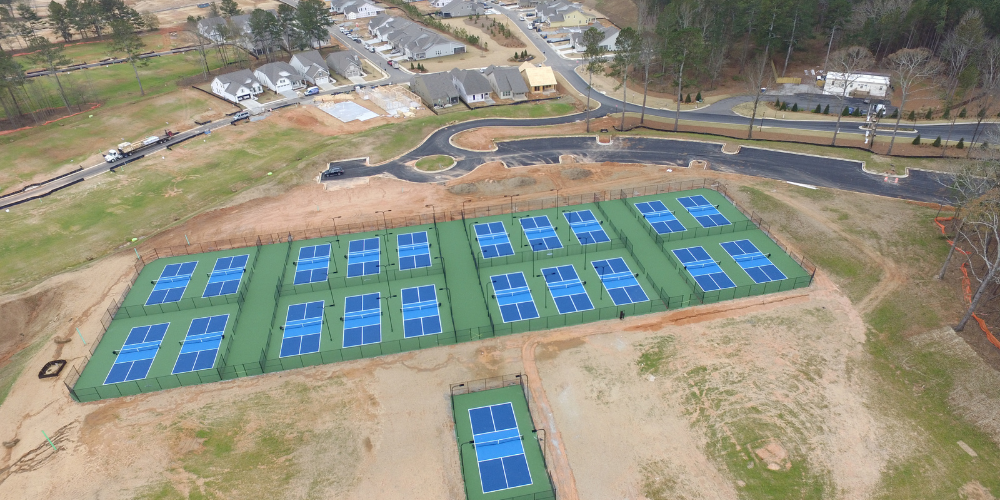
[[683, 44], [819, 109], [191, 26], [912, 70], [51, 56], [287, 26], [11, 77], [213, 10], [849, 62], [648, 47], [150, 21], [989, 83], [958, 50], [264, 31], [937, 142], [312, 18], [126, 42], [593, 53], [961, 143], [626, 53], [230, 8], [59, 20], [826, 110], [916, 140], [930, 114], [758, 76]]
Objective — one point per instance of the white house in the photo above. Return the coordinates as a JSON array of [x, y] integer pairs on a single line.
[[860, 84], [236, 86], [279, 76], [472, 86], [608, 42], [311, 66], [440, 3], [355, 9], [345, 63]]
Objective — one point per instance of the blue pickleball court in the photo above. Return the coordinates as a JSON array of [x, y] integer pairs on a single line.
[[414, 250], [704, 269], [586, 227], [757, 265], [226, 276], [659, 217], [420, 311], [540, 233], [566, 289], [303, 329], [514, 297], [363, 257], [201, 344], [313, 264], [493, 240], [619, 281], [499, 450], [136, 356], [703, 211], [171, 284], [362, 319]]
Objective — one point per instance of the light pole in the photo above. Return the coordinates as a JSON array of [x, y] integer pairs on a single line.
[[511, 196], [386, 299], [463, 208], [384, 225], [335, 233], [433, 214]]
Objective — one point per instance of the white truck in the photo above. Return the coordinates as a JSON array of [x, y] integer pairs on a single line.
[[129, 148]]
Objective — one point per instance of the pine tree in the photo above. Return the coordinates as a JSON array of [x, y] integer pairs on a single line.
[[688, 98], [930, 114], [961, 143], [411, 65], [777, 103], [826, 110], [698, 97], [916, 140], [937, 142], [846, 112], [947, 114], [961, 114], [795, 107], [895, 113], [517, 55], [819, 109], [857, 111], [913, 116]]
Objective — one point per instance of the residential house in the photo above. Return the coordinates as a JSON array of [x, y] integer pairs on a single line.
[[439, 3], [507, 82], [345, 63], [462, 8], [234, 30], [527, 4], [562, 14], [355, 9], [279, 76], [539, 78], [236, 86], [311, 66], [411, 39], [860, 84], [435, 89], [472, 86], [609, 39]]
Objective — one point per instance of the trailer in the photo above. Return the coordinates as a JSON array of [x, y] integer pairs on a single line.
[[126, 149]]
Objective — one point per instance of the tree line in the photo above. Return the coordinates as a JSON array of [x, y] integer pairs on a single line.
[[952, 48], [25, 100]]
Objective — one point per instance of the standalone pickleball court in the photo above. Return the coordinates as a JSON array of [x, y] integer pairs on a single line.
[[499, 451]]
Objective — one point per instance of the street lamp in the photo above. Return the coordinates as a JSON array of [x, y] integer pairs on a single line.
[[335, 233], [433, 213], [384, 225], [463, 208]]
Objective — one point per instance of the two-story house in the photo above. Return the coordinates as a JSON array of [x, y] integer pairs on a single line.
[[236, 86], [279, 76], [311, 66]]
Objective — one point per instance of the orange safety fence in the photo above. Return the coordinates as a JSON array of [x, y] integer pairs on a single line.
[[967, 285]]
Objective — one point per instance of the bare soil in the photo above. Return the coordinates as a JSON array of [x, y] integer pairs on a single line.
[[511, 42]]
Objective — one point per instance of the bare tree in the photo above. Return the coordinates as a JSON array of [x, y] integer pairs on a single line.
[[848, 63], [52, 57], [593, 53], [757, 77], [989, 85], [958, 50], [911, 71], [626, 52], [648, 47]]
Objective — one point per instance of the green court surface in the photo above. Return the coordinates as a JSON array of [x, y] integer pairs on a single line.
[[461, 276], [540, 488]]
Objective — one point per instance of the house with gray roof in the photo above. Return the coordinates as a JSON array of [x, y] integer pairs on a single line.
[[437, 90], [412, 39], [472, 86], [608, 42], [237, 86], [312, 66], [234, 30], [507, 82], [356, 9], [462, 8], [345, 63], [279, 76]]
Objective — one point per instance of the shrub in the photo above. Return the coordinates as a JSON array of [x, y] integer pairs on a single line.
[[784, 106], [895, 113], [937, 142], [961, 143], [845, 112], [857, 111], [961, 114], [795, 107], [947, 114], [819, 109], [698, 97], [913, 116], [930, 114], [826, 110], [916, 140], [688, 98]]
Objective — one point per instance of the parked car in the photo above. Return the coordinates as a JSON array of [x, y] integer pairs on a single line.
[[335, 171], [312, 91]]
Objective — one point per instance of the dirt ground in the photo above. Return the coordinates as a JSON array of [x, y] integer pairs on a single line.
[[656, 395], [311, 118]]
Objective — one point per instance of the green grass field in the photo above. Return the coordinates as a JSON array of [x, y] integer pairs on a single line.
[[539, 487], [463, 277]]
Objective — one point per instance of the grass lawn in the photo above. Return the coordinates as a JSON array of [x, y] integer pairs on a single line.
[[435, 163]]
